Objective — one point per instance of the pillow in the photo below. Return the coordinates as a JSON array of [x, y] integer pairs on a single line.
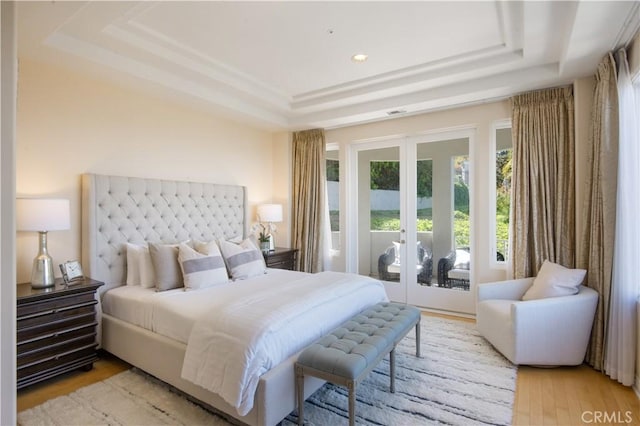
[[243, 260], [139, 266], [554, 280], [396, 246], [396, 250], [203, 267], [463, 260], [166, 268], [147, 274], [133, 264]]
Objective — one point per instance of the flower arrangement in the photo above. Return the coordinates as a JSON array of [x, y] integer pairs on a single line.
[[263, 232]]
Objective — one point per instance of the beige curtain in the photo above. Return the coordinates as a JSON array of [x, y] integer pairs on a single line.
[[543, 189], [596, 253], [308, 198]]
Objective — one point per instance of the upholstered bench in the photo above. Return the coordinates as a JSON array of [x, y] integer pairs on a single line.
[[347, 354]]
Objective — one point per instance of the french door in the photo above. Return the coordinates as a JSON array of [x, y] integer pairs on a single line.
[[409, 208]]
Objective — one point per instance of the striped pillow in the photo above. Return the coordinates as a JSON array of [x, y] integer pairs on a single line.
[[244, 260], [203, 267]]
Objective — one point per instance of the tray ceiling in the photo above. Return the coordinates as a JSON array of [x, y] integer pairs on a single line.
[[287, 65]]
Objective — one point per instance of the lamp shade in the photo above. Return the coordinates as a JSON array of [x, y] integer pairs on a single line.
[[270, 213], [42, 214]]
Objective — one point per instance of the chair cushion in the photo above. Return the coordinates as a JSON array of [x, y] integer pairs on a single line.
[[555, 280], [396, 268], [459, 274]]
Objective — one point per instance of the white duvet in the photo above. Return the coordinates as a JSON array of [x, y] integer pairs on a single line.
[[260, 326]]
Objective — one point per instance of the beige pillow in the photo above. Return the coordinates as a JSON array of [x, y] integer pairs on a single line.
[[166, 268], [555, 280], [139, 266]]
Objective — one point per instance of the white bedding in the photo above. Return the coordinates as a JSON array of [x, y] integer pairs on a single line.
[[164, 312], [255, 327]]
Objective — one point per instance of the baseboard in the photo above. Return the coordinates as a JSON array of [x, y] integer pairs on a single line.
[[447, 313], [636, 386]]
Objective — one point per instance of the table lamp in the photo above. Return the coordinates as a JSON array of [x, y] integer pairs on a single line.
[[270, 213], [42, 215]]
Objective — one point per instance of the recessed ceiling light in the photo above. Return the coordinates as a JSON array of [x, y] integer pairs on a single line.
[[359, 57]]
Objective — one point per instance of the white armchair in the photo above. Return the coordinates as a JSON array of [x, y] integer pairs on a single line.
[[544, 332]]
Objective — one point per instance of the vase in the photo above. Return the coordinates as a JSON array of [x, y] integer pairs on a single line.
[[264, 246]]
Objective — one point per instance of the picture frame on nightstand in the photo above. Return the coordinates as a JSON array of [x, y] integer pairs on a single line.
[[71, 272]]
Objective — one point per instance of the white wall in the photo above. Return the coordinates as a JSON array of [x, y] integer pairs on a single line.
[[69, 124], [8, 77]]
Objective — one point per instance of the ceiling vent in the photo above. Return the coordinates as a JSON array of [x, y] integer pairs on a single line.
[[396, 112]]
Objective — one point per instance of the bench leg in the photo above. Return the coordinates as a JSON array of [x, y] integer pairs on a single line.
[[300, 392], [352, 403], [392, 370], [418, 339]]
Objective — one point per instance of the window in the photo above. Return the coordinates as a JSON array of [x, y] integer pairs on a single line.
[[333, 195], [461, 222], [503, 170], [385, 195]]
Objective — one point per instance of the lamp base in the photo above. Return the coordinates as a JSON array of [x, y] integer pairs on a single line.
[[42, 272]]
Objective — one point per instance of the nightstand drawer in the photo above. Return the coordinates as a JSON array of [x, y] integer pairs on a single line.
[[62, 350], [55, 338], [61, 363], [34, 309], [58, 317], [281, 263]]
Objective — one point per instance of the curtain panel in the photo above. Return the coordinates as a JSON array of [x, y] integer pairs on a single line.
[[620, 352], [599, 210], [543, 189], [308, 198]]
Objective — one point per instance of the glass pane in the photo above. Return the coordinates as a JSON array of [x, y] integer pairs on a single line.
[[461, 202], [504, 153], [379, 214], [442, 216], [333, 195], [424, 220]]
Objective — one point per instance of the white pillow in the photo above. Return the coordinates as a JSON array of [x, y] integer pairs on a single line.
[[555, 280], [139, 266], [243, 260], [463, 260], [133, 264], [396, 250], [147, 274], [203, 267]]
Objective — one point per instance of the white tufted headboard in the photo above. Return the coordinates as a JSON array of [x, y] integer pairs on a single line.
[[117, 210]]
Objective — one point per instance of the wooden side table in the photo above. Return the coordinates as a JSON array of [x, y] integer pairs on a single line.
[[281, 258], [56, 329]]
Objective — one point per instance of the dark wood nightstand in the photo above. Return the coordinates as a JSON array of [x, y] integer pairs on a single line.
[[56, 329], [281, 258]]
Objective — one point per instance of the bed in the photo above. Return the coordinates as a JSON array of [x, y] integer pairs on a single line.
[[119, 210]]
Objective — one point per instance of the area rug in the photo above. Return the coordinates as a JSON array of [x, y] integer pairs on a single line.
[[460, 380]]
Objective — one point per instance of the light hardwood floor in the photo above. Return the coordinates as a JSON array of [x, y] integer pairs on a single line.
[[564, 396]]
